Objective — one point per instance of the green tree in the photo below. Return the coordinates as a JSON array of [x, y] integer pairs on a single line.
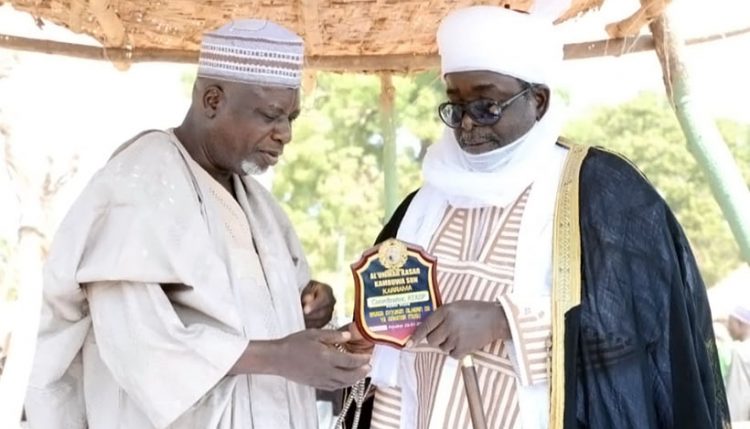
[[646, 131], [331, 177]]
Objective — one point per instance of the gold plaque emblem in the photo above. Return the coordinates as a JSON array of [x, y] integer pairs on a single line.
[[395, 288], [392, 254]]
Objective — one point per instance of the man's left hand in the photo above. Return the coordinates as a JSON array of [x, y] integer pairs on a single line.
[[317, 304], [463, 327]]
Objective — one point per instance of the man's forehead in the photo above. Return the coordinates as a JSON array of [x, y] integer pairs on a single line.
[[276, 97], [480, 81], [259, 90]]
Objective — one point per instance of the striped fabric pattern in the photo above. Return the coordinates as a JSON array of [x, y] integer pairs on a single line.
[[476, 259], [532, 334], [252, 51]]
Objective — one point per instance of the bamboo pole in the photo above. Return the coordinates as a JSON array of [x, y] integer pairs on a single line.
[[704, 141], [399, 63], [388, 127]]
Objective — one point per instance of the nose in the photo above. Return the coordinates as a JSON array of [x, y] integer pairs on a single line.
[[282, 132], [466, 123]]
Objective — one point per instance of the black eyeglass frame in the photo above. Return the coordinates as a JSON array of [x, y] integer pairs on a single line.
[[494, 117]]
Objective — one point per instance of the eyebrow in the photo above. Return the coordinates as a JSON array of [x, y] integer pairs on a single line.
[[481, 87], [275, 108], [485, 87], [278, 110]]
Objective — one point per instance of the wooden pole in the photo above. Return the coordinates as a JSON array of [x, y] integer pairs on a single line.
[[397, 63], [388, 130], [703, 138], [473, 393]]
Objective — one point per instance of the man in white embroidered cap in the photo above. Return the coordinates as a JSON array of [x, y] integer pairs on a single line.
[[562, 270], [177, 294]]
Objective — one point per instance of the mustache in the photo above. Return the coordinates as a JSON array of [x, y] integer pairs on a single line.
[[472, 138]]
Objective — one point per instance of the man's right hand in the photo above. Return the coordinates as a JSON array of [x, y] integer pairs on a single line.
[[307, 357], [310, 357]]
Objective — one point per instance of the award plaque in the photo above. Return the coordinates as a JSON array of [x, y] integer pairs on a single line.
[[395, 290]]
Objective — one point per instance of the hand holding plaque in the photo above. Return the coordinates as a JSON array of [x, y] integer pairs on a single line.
[[395, 290]]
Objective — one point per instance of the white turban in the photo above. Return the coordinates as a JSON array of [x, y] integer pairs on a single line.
[[500, 40]]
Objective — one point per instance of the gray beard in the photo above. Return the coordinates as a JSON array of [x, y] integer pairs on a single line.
[[251, 168], [465, 142]]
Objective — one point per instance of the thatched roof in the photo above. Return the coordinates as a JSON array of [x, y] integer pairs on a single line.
[[345, 29]]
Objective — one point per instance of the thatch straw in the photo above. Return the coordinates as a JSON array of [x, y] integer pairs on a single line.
[[339, 34], [329, 27]]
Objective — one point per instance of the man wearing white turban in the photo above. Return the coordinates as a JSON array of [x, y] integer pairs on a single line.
[[561, 269], [176, 292]]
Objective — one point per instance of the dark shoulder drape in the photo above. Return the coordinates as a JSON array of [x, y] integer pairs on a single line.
[[640, 347], [391, 228]]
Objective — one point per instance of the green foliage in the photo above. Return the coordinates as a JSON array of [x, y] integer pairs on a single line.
[[331, 177], [646, 131], [417, 99], [187, 79]]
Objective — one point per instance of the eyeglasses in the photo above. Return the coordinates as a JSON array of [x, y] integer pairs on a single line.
[[483, 112]]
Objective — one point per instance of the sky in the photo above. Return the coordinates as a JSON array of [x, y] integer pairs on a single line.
[[59, 106]]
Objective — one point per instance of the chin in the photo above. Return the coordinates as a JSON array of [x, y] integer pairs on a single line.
[[250, 168], [480, 148]]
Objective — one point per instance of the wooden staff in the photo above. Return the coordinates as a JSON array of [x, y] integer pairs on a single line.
[[473, 395]]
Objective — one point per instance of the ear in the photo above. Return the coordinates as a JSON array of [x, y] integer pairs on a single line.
[[541, 94], [212, 100]]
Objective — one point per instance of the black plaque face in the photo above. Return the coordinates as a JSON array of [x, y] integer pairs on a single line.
[[395, 290]]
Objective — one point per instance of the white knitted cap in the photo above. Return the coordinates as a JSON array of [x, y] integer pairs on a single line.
[[252, 51]]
